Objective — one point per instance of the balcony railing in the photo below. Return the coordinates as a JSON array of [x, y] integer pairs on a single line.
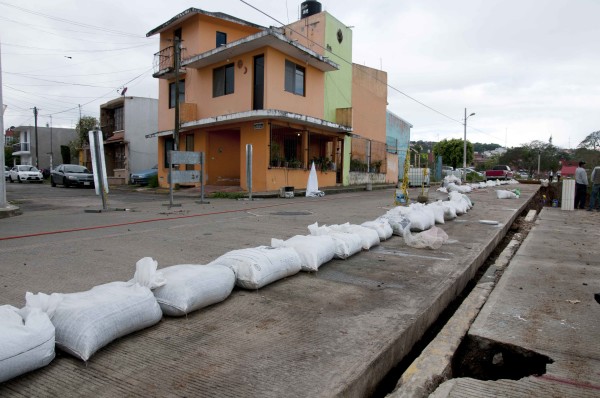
[[164, 62], [21, 147]]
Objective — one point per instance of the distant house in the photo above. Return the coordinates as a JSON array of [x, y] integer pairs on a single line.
[[397, 140], [42, 149], [568, 168], [125, 122]]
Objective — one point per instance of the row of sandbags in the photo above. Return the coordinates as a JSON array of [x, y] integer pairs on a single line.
[[82, 323]]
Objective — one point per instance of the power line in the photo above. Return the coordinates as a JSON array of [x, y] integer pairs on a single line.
[[350, 63], [60, 50]]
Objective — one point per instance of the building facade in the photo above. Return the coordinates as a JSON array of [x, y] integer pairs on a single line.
[[43, 149]]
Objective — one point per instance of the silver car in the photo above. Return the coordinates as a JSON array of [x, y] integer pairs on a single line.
[[71, 175]]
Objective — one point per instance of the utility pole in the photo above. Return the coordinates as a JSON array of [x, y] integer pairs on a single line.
[[177, 52], [35, 114]]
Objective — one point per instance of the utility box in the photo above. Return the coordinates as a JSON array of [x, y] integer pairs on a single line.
[[286, 192]]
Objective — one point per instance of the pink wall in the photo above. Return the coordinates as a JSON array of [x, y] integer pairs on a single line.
[[369, 102]]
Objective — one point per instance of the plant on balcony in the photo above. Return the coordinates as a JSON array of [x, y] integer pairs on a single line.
[[358, 165], [295, 164], [376, 166]]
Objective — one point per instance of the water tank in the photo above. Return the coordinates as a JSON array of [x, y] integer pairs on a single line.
[[309, 7]]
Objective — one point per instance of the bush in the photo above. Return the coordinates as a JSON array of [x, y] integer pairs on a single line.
[[153, 182]]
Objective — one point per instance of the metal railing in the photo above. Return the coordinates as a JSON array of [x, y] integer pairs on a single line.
[[164, 60], [21, 147]]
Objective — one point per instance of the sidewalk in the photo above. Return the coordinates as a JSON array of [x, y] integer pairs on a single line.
[[544, 308]]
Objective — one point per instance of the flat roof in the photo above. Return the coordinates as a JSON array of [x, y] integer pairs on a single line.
[[271, 37], [261, 114]]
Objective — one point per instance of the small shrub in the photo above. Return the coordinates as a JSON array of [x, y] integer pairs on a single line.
[[153, 182]]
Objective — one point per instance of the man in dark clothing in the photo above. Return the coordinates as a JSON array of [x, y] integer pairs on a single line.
[[581, 183]]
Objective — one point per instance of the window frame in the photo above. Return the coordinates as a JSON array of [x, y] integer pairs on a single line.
[[172, 93], [221, 39], [292, 72], [226, 73]]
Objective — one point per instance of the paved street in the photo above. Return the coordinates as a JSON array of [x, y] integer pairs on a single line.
[[334, 332]]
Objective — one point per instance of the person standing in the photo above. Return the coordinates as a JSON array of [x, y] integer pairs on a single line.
[[581, 183], [550, 175], [594, 198]]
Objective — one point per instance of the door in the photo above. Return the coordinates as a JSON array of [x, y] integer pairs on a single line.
[[189, 147], [259, 82]]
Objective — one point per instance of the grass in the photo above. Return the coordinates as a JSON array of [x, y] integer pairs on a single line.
[[228, 195]]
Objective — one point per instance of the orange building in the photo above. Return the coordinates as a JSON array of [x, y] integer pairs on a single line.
[[240, 84]]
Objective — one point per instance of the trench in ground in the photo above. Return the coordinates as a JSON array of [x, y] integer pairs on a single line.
[[500, 357]]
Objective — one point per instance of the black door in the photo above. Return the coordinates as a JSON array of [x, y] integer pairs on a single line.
[[259, 82]]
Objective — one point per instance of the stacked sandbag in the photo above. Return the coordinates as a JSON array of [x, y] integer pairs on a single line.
[[190, 287], [368, 237], [438, 212], [314, 251], [433, 238], [87, 321], [381, 226], [447, 208], [459, 188], [257, 267], [397, 221], [461, 205], [346, 243], [503, 194], [491, 183], [421, 217], [26, 341]]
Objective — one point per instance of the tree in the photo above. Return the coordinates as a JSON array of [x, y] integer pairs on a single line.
[[479, 147], [592, 141], [451, 152], [83, 127]]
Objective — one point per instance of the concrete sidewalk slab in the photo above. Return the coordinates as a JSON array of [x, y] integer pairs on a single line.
[[544, 303], [336, 332]]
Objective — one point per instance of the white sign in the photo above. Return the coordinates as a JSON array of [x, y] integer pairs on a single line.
[[102, 172]]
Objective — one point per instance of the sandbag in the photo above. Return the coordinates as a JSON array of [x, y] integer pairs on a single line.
[[87, 321], [314, 251], [381, 226], [397, 221], [438, 212], [191, 287], [368, 237], [346, 244], [257, 267], [433, 238], [421, 219], [449, 210], [502, 194], [26, 341]]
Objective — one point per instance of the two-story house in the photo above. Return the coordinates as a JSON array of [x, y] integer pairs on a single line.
[[125, 122], [286, 91], [42, 149]]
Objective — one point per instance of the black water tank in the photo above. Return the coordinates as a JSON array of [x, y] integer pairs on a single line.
[[309, 7]]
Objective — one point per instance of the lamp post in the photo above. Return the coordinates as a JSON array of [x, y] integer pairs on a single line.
[[464, 173]]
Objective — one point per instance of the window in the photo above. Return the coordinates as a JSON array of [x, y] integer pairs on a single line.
[[221, 39], [119, 119], [172, 93], [223, 80], [169, 146], [294, 78]]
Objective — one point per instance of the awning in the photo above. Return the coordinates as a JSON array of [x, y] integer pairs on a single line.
[[115, 138]]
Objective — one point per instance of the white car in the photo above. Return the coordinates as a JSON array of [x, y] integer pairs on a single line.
[[25, 172]]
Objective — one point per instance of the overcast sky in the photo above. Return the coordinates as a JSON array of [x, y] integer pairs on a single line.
[[529, 69]]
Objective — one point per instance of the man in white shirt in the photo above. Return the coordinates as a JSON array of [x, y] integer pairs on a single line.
[[581, 183], [594, 197]]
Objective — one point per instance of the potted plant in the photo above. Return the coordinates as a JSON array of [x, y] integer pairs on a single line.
[[275, 155]]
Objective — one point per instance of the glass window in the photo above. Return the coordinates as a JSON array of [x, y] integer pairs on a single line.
[[119, 119], [294, 78], [169, 146], [221, 39], [223, 80], [172, 93]]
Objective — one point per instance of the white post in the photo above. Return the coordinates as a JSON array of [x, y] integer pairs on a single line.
[[2, 180], [464, 174]]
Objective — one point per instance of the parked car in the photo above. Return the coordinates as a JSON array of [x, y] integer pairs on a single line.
[[25, 172], [142, 177], [71, 174], [6, 173], [471, 170], [500, 172], [523, 174]]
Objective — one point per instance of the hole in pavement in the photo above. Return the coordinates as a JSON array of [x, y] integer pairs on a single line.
[[485, 359]]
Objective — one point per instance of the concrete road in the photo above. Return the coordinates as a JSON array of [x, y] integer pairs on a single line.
[[334, 332]]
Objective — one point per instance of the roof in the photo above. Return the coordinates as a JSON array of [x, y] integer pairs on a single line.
[[115, 138], [262, 114], [190, 12], [272, 37], [568, 170]]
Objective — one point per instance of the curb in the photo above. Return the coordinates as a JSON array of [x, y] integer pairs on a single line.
[[10, 211]]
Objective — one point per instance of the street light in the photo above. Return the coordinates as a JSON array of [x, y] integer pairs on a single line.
[[465, 146]]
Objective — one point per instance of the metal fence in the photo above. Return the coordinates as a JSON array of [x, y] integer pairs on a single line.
[[368, 155]]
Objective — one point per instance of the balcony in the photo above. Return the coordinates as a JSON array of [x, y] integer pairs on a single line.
[[164, 63], [20, 148], [187, 112]]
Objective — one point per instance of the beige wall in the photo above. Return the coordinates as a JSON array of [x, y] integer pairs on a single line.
[[369, 102], [309, 32]]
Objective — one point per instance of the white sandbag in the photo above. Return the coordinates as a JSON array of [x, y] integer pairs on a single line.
[[257, 267], [381, 226], [451, 179], [491, 183], [87, 321], [459, 188], [461, 205], [502, 194], [346, 244], [26, 341], [421, 218], [438, 212], [467, 200], [314, 251], [190, 287], [449, 210], [433, 238], [368, 237], [146, 273], [397, 221]]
